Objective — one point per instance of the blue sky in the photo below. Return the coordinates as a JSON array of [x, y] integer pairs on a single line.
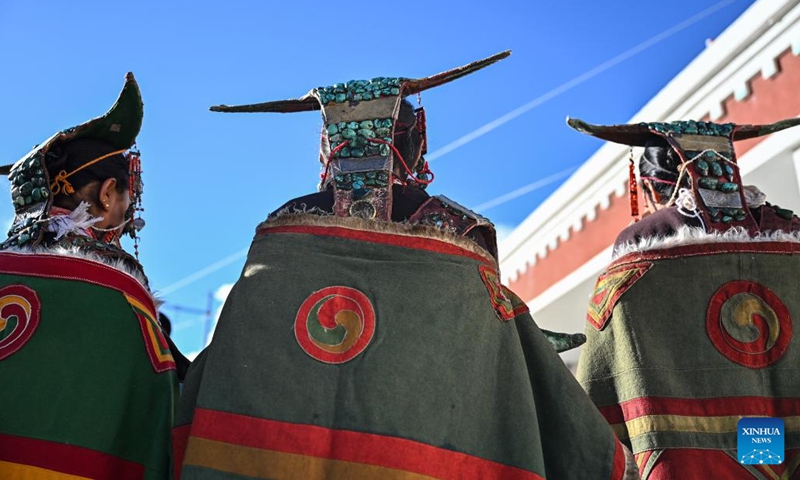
[[210, 178]]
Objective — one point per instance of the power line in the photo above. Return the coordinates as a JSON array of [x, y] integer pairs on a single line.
[[541, 183], [566, 86], [460, 142]]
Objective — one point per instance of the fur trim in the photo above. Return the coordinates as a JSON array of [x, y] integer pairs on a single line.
[[395, 228], [694, 235], [301, 209], [75, 252]]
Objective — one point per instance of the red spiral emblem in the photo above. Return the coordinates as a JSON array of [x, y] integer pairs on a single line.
[[748, 324], [19, 317], [335, 324]]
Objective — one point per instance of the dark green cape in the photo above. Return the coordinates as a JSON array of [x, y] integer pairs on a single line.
[[684, 341], [89, 385], [356, 349]]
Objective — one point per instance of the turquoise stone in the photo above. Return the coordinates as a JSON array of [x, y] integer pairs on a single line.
[[367, 124], [352, 125], [23, 238], [36, 194], [740, 217], [26, 188], [728, 187], [366, 96], [727, 219], [28, 200], [708, 182], [349, 134], [714, 212], [344, 152], [357, 97], [366, 133], [19, 200], [340, 97], [701, 167], [384, 150], [336, 138], [709, 154], [383, 132], [357, 152], [716, 169], [333, 129], [730, 211]]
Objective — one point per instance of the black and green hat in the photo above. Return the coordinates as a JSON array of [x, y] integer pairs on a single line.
[[360, 119], [31, 191], [708, 160]]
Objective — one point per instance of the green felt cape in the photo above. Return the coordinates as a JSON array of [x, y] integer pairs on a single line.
[[89, 384], [684, 341], [352, 349]]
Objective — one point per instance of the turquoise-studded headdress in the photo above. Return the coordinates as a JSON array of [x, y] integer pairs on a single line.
[[31, 185], [360, 119], [708, 159]]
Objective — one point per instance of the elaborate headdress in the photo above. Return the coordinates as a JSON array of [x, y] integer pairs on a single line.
[[32, 189], [360, 119], [707, 158]]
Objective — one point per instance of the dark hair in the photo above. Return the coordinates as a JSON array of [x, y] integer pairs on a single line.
[[660, 162], [166, 325], [71, 155], [407, 137]]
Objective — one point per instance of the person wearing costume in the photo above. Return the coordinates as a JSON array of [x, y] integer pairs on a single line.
[[89, 383], [690, 328], [369, 335]]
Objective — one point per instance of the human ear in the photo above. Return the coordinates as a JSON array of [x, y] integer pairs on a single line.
[[106, 189]]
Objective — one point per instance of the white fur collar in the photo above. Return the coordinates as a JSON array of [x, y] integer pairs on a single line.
[[695, 235]]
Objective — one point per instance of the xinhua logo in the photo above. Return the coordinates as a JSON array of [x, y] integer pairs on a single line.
[[760, 441]]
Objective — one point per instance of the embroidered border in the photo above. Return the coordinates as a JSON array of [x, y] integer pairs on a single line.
[[396, 239], [610, 286], [506, 304], [154, 342]]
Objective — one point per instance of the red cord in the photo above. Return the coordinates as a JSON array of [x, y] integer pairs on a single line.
[[324, 176], [402, 161]]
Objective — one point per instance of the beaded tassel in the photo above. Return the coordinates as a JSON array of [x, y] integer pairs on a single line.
[[633, 189]]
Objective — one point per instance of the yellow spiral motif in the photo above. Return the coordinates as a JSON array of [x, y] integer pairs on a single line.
[[741, 310]]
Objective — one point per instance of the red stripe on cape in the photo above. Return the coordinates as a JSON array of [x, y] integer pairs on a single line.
[[701, 407], [349, 446], [69, 459]]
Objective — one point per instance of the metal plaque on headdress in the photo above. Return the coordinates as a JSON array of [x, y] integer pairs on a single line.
[[360, 119], [707, 157]]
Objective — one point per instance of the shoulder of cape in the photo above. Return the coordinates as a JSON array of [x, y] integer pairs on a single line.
[[609, 288]]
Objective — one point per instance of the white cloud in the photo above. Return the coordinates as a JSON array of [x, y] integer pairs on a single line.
[[220, 295]]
